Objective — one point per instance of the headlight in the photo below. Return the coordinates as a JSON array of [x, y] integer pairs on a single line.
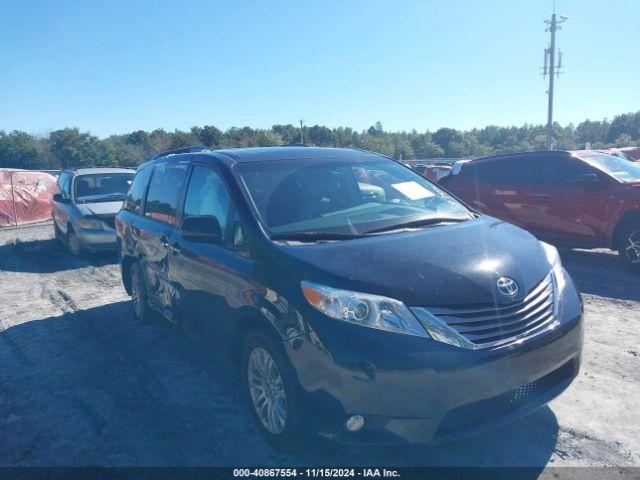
[[553, 257], [559, 278], [552, 254], [90, 223], [363, 309]]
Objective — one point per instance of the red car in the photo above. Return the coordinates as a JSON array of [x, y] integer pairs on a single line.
[[633, 152], [576, 199], [622, 153]]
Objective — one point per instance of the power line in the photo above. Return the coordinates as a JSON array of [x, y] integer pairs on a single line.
[[552, 69]]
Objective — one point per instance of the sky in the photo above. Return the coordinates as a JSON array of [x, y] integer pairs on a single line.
[[117, 66]]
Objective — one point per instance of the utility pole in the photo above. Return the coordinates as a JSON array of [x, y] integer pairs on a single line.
[[301, 131], [554, 70]]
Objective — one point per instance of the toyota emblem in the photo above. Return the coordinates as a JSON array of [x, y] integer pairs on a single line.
[[507, 286]]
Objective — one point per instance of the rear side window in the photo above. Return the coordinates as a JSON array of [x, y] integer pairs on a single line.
[[506, 171], [164, 191], [563, 170], [133, 200]]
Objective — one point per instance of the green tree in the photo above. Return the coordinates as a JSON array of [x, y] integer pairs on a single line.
[[377, 143], [445, 136], [266, 138], [320, 136], [423, 147], [288, 133], [625, 124], [20, 150], [159, 141], [180, 139], [591, 132], [403, 150], [72, 148], [125, 154], [208, 136], [625, 140]]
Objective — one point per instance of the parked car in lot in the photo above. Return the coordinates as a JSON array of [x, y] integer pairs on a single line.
[[358, 300], [575, 199], [437, 172], [616, 152], [633, 152], [84, 210], [433, 172]]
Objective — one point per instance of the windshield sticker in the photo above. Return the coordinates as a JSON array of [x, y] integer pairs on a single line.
[[413, 190]]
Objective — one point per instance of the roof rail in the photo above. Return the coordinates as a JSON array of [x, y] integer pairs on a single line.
[[295, 145], [175, 151]]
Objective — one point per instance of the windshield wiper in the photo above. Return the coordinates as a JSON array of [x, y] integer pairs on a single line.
[[100, 198], [313, 236], [113, 195], [425, 222]]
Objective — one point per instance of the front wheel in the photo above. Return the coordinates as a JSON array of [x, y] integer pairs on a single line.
[[73, 243], [271, 392], [629, 247]]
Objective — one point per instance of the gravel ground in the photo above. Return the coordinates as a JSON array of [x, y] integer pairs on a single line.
[[81, 384]]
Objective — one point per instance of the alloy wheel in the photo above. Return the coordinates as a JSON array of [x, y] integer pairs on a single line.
[[632, 249], [267, 390]]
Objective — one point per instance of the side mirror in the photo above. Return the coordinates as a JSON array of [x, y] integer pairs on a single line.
[[202, 229], [57, 197], [587, 179]]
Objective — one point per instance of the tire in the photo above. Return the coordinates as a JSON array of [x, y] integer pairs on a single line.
[[266, 369], [57, 233], [73, 243], [139, 302], [629, 247]]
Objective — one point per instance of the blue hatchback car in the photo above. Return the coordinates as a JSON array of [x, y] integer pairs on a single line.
[[358, 300]]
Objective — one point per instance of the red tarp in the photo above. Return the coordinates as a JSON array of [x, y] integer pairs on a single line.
[[25, 196]]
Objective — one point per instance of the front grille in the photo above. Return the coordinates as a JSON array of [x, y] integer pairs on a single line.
[[490, 325], [107, 219]]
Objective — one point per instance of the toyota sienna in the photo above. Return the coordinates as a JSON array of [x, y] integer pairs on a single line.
[[358, 300]]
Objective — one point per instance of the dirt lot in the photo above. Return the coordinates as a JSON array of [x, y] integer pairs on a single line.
[[82, 384]]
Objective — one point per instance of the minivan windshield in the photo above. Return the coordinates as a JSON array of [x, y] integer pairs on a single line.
[[102, 187], [619, 168], [336, 199]]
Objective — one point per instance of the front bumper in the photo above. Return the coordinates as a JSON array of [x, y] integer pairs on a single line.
[[417, 390], [97, 240]]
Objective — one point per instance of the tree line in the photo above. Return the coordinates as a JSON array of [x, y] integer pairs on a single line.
[[70, 147]]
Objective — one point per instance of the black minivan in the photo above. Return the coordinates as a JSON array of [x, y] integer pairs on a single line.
[[358, 300]]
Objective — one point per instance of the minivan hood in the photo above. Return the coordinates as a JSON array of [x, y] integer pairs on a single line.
[[99, 208], [449, 265]]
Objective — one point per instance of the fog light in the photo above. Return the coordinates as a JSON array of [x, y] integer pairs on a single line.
[[354, 423]]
